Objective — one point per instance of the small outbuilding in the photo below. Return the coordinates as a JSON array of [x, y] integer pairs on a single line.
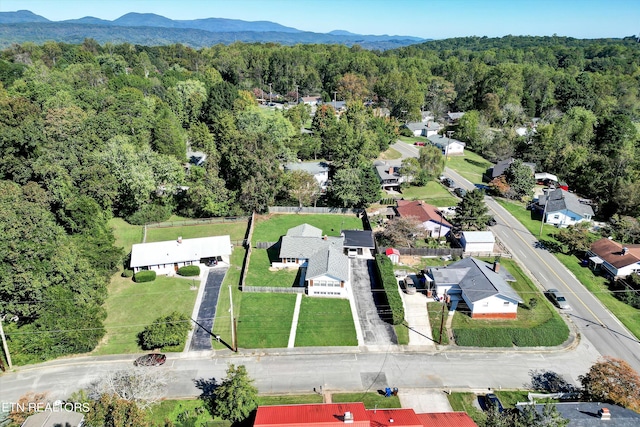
[[478, 241], [393, 254]]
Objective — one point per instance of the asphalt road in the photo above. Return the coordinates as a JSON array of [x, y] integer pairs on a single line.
[[300, 370]]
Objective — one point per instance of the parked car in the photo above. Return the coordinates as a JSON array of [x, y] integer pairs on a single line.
[[558, 299], [492, 400], [419, 143], [491, 221], [460, 192], [151, 359], [448, 182]]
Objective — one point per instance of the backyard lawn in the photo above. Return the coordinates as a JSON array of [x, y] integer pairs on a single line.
[[269, 228], [235, 229], [132, 306], [265, 320], [325, 322], [126, 234], [433, 193]]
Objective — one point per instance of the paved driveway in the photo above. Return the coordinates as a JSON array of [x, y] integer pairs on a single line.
[[367, 293], [201, 338]]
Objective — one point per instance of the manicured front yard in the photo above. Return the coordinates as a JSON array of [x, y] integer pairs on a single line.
[[269, 228], [132, 306], [325, 322], [265, 320]]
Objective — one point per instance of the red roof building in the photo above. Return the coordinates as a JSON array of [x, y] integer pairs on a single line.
[[354, 415], [429, 216]]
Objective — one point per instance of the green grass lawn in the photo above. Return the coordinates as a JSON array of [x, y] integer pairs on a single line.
[[433, 193], [465, 402], [471, 166], [258, 273], [222, 322], [176, 410], [265, 320], [390, 154], [270, 228], [132, 306], [235, 229], [402, 333], [529, 220], [371, 400], [126, 234], [289, 399], [435, 320], [325, 322]]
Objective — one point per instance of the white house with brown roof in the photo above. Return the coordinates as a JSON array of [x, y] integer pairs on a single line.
[[166, 257], [431, 219], [614, 258]]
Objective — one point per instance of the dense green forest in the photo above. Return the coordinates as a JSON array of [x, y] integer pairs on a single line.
[[93, 131]]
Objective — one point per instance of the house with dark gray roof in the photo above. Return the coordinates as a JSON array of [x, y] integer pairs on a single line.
[[501, 167], [358, 243], [562, 209], [481, 286], [325, 269], [427, 128], [592, 414], [448, 146], [389, 174]]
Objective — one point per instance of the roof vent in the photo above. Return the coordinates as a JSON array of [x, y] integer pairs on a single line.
[[390, 420], [624, 251], [179, 239], [348, 417], [604, 414]]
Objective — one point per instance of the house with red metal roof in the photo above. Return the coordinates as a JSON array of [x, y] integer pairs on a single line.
[[431, 219], [354, 415]]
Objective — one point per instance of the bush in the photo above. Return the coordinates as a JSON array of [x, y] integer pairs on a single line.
[[390, 284], [127, 273], [144, 276], [551, 333], [149, 213], [167, 331], [189, 270]]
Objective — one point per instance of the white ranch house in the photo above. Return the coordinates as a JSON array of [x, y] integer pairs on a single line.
[[166, 257], [481, 286], [326, 269], [449, 146]]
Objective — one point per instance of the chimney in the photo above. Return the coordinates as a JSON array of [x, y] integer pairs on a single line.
[[604, 414], [348, 418], [179, 239], [624, 251], [324, 237], [390, 170], [496, 266]]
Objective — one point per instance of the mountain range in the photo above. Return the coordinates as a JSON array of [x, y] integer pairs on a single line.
[[152, 29]]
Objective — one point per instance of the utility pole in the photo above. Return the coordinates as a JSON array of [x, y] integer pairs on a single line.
[[544, 212], [4, 344], [297, 95], [441, 322], [334, 99], [233, 322], [269, 94]]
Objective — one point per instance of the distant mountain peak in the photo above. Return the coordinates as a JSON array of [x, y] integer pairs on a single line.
[[341, 33]]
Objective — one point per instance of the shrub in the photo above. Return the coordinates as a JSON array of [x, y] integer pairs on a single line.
[[189, 270], [127, 273], [149, 213], [551, 333], [144, 276], [390, 284], [167, 331]]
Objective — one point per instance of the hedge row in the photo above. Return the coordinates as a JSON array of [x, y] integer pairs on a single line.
[[189, 270], [144, 276], [551, 333], [390, 284]]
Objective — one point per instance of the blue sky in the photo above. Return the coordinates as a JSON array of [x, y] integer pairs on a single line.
[[436, 19]]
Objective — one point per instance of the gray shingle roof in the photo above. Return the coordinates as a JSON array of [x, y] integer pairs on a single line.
[[304, 230], [560, 200], [585, 414], [442, 141], [331, 262], [311, 167], [305, 247], [501, 167], [477, 280]]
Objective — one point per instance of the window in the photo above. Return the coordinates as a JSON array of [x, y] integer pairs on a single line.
[[506, 303], [556, 216]]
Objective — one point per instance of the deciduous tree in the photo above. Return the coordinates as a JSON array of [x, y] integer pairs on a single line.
[[612, 380]]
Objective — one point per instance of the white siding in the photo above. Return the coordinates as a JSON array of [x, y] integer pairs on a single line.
[[492, 305], [327, 286], [563, 218]]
